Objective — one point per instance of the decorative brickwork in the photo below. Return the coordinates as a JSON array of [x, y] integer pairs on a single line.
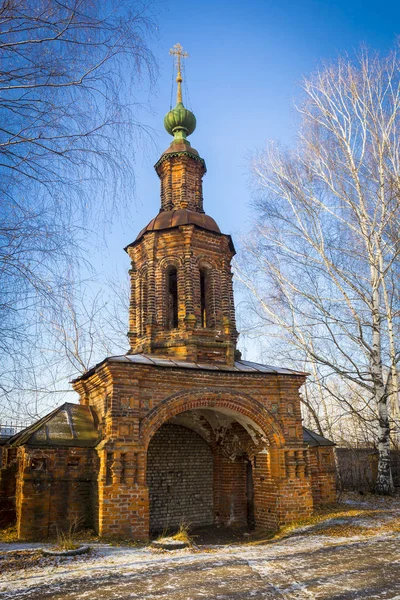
[[177, 428], [181, 171], [204, 329]]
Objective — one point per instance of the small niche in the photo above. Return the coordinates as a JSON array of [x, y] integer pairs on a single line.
[[38, 464], [109, 462]]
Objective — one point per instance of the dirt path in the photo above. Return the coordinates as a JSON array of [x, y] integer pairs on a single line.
[[344, 558], [298, 568]]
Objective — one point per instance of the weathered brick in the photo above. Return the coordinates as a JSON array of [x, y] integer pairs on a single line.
[[201, 445]]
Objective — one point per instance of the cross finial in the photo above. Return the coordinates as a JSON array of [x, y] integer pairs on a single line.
[[178, 52]]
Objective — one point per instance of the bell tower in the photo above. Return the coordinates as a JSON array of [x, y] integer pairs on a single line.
[[181, 280]]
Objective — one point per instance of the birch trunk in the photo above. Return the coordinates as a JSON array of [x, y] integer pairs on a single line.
[[384, 481]]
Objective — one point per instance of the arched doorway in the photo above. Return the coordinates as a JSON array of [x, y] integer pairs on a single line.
[[200, 470], [179, 478]]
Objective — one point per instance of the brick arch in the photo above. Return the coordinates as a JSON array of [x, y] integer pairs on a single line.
[[170, 261], [240, 403], [206, 262], [167, 263]]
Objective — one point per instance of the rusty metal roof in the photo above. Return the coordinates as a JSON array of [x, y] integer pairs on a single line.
[[240, 366], [169, 219], [69, 425]]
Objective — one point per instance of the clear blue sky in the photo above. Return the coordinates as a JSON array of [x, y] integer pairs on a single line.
[[246, 62]]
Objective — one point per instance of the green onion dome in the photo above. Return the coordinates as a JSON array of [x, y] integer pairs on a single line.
[[180, 122]]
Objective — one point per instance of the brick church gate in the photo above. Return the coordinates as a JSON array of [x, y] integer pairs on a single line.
[[180, 427], [203, 459]]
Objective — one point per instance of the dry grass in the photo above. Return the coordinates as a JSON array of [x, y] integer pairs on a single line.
[[344, 530], [65, 541], [9, 534], [320, 523], [182, 534], [66, 538]]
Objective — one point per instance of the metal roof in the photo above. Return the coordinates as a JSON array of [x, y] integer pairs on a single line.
[[314, 439], [175, 218], [183, 216], [240, 366], [69, 425]]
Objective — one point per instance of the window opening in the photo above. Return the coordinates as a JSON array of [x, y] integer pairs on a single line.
[[172, 299], [123, 468], [38, 464], [203, 298]]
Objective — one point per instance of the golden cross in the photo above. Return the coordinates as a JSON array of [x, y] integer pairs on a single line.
[[178, 52]]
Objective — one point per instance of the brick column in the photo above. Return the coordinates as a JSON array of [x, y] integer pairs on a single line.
[[123, 496], [323, 475], [151, 295], [133, 307], [189, 271], [294, 486]]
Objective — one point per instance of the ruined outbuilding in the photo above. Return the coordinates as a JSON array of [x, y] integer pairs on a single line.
[[179, 428]]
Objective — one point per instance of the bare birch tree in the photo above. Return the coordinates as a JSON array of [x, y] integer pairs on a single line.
[[324, 259], [69, 72]]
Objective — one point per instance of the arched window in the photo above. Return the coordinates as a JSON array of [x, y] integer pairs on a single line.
[[142, 302], [172, 298], [203, 297]]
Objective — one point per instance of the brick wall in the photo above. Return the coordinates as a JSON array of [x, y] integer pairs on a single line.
[[54, 489], [180, 478], [230, 492], [188, 249], [134, 401], [8, 472], [323, 475]]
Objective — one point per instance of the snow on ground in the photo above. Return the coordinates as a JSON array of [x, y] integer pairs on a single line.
[[342, 558]]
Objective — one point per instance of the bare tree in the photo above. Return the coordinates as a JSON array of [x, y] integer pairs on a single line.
[[333, 406], [74, 335], [89, 327], [69, 72], [324, 261]]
